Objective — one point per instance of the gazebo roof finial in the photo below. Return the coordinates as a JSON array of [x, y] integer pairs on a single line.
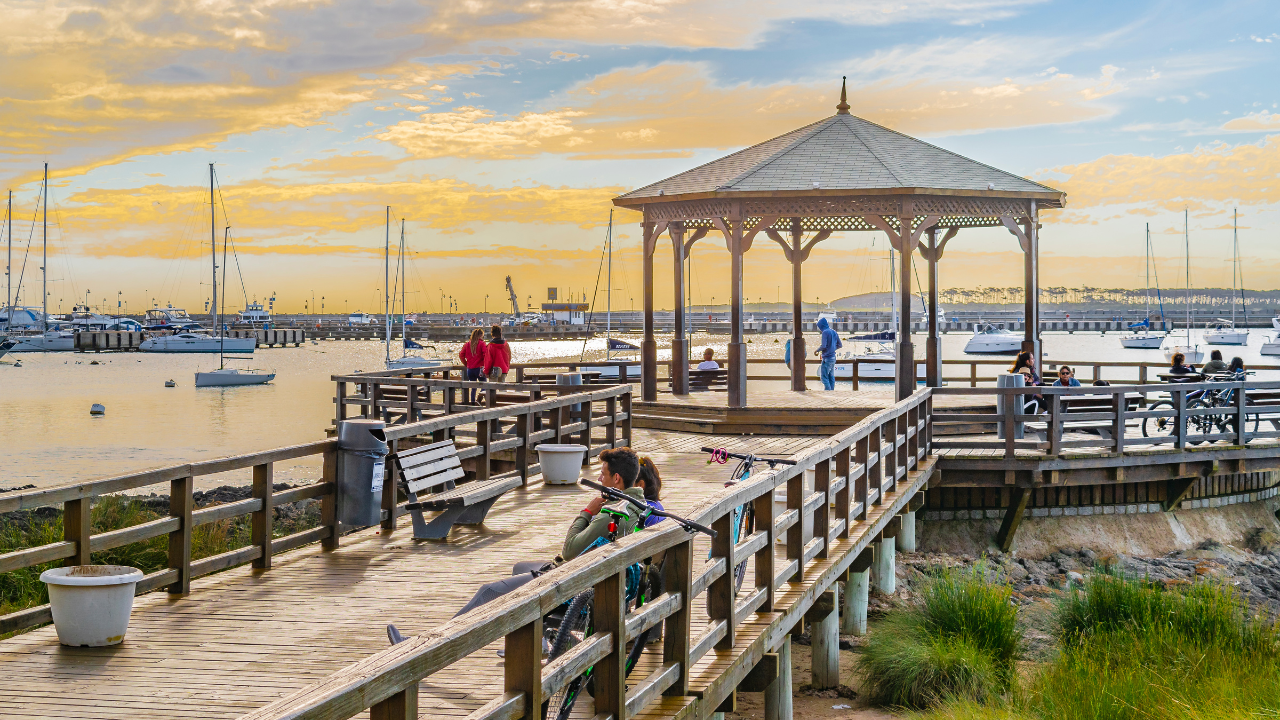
[[843, 107]]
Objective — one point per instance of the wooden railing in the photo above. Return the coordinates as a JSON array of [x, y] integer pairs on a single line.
[[491, 432], [854, 471], [1111, 415], [1087, 371]]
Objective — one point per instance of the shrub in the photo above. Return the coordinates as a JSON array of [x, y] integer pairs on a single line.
[[960, 643]]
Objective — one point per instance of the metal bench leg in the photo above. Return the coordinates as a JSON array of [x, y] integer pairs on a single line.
[[440, 525], [474, 515]]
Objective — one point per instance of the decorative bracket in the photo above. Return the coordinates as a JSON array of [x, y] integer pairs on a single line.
[[652, 233], [697, 235], [774, 236], [895, 237], [934, 254], [808, 247], [1016, 231]]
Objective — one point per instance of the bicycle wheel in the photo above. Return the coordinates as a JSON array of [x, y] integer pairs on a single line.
[[746, 526], [650, 588], [573, 629], [1201, 424], [1159, 426]]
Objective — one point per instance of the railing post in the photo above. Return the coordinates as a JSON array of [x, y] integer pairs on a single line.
[[973, 374], [340, 401], [913, 436], [536, 396], [584, 438], [928, 424], [329, 501], [522, 450], [1055, 424], [626, 422], [822, 515], [77, 528], [260, 530], [1180, 417], [522, 666], [764, 565], [1119, 405], [363, 389], [610, 608], [873, 475], [375, 397], [410, 396], [855, 375], [611, 430], [401, 706], [180, 506], [1242, 436], [1142, 374], [842, 495], [720, 595], [557, 422], [676, 637], [1010, 435], [483, 440], [795, 533], [890, 458]]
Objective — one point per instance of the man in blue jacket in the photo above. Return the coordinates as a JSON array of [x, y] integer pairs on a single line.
[[827, 351]]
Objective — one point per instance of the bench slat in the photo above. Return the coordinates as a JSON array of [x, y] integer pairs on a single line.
[[437, 480], [429, 453], [437, 466], [469, 493]]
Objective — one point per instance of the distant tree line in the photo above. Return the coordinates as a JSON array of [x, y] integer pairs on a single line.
[[1201, 298]]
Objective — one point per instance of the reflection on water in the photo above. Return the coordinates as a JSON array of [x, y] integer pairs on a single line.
[[49, 438]]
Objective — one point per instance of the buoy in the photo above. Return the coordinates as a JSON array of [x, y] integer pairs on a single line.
[[95, 362], [170, 383], [17, 363], [97, 409]]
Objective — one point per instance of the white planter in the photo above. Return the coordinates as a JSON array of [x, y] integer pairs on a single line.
[[561, 464], [91, 603]]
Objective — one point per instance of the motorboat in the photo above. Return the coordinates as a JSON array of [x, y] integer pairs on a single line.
[[830, 316], [189, 342], [17, 319], [232, 377], [1275, 322], [169, 318], [877, 361], [82, 318], [1224, 332], [50, 341], [254, 314], [990, 340], [1272, 345]]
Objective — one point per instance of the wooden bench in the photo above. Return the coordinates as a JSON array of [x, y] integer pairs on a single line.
[[702, 380], [429, 476], [1080, 405]]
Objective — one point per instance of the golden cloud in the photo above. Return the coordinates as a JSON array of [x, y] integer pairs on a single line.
[[1202, 180], [676, 107]]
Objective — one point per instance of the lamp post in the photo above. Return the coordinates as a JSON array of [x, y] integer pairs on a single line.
[[486, 304]]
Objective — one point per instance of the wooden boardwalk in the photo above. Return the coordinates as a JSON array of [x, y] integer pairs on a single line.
[[245, 638]]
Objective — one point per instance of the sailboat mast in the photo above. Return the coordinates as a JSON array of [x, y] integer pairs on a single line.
[[404, 312], [386, 282], [213, 250], [1147, 267], [217, 322], [1235, 265], [44, 257], [608, 294], [8, 265], [1186, 236]]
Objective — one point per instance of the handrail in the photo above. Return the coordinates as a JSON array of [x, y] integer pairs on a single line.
[[76, 498], [870, 460]]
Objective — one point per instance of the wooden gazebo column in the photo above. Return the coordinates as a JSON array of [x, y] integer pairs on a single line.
[[679, 343], [798, 354], [1028, 233], [649, 346], [737, 347], [904, 240], [933, 345]]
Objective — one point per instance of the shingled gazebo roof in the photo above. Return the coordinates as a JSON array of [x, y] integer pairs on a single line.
[[838, 161]]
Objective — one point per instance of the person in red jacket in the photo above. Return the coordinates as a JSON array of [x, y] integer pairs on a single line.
[[497, 356], [472, 356]]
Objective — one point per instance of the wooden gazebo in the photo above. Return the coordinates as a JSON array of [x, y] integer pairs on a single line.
[[842, 173]]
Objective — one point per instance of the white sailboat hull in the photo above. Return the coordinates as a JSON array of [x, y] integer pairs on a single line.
[[411, 362], [1275, 322], [49, 342], [1227, 337], [1194, 354], [232, 377], [186, 343], [874, 367], [1142, 341]]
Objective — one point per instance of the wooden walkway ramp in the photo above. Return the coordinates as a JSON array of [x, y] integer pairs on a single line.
[[243, 638]]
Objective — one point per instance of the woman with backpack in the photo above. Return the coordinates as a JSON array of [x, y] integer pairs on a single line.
[[497, 356]]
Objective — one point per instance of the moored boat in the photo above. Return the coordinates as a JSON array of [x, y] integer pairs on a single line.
[[990, 340]]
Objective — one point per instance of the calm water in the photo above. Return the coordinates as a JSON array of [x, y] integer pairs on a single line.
[[49, 438]]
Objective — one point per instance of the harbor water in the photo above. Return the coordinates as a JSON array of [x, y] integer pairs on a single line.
[[49, 436]]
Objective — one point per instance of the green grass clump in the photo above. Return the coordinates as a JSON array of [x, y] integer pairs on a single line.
[[960, 643]]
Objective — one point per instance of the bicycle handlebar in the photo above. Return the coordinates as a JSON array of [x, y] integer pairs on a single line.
[[736, 456], [618, 495]]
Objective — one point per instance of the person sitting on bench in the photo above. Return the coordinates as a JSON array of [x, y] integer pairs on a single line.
[[1066, 377], [651, 481], [1215, 366], [708, 360], [619, 468], [1178, 366]]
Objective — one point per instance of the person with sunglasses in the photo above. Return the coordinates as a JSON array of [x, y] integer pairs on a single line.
[[1066, 377]]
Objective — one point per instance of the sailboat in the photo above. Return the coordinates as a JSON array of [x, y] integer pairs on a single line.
[[612, 344], [7, 343], [877, 362], [50, 339], [1222, 331], [224, 376], [1143, 339], [1194, 355], [405, 361]]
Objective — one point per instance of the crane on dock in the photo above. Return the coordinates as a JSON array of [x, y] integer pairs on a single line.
[[517, 317], [515, 302]]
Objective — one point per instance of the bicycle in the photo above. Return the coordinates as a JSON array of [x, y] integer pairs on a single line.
[[743, 521], [1207, 398], [574, 624]]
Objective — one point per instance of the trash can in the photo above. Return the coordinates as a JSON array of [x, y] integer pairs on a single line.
[[571, 378], [1010, 380], [362, 454]]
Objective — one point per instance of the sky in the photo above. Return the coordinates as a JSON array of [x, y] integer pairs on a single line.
[[498, 131]]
